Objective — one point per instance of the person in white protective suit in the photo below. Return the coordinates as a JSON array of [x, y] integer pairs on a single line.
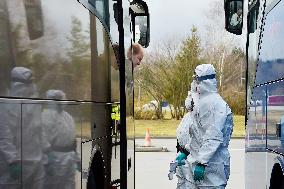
[[21, 135], [209, 158], [62, 158], [183, 141]]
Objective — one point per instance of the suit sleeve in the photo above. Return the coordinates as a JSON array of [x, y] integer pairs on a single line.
[[213, 137]]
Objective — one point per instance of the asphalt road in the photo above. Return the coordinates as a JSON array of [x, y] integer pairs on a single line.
[[152, 167]]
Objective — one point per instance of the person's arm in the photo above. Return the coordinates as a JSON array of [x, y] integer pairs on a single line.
[[213, 137]]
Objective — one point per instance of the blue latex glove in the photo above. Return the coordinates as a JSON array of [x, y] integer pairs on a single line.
[[199, 172], [15, 170], [180, 159]]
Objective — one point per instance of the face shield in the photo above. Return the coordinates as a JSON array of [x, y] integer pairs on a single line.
[[199, 79]]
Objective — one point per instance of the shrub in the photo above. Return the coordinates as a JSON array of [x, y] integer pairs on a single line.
[[236, 101], [145, 115]]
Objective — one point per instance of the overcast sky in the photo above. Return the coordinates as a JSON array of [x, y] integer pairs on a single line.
[[169, 19], [173, 19]]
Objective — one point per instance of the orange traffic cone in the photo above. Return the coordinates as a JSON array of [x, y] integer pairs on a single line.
[[147, 141]]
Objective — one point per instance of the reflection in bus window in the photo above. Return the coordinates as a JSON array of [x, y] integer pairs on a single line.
[[236, 15], [60, 130], [60, 58]]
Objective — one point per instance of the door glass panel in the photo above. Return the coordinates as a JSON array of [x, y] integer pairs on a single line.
[[59, 56], [87, 121], [59, 137], [114, 58], [42, 141], [6, 51], [256, 124], [34, 144], [11, 144]]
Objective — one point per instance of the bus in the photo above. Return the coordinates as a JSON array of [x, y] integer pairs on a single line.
[[264, 150], [66, 92]]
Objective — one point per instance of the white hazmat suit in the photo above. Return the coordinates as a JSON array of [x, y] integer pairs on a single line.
[[21, 135], [60, 130], [183, 141], [210, 133]]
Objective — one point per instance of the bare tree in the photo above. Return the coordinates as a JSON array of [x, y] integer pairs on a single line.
[[167, 73], [225, 51]]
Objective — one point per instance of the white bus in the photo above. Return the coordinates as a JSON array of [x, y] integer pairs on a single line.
[[62, 70], [264, 163]]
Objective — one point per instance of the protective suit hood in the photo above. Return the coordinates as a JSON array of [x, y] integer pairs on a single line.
[[21, 74], [22, 83], [205, 82], [56, 95]]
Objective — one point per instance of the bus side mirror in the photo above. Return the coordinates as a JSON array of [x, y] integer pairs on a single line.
[[140, 22], [34, 18], [234, 16]]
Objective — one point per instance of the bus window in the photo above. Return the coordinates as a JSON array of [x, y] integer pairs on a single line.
[[271, 59], [256, 123], [275, 117]]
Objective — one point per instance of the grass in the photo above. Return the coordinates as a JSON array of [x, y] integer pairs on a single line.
[[167, 128], [161, 128], [239, 126]]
